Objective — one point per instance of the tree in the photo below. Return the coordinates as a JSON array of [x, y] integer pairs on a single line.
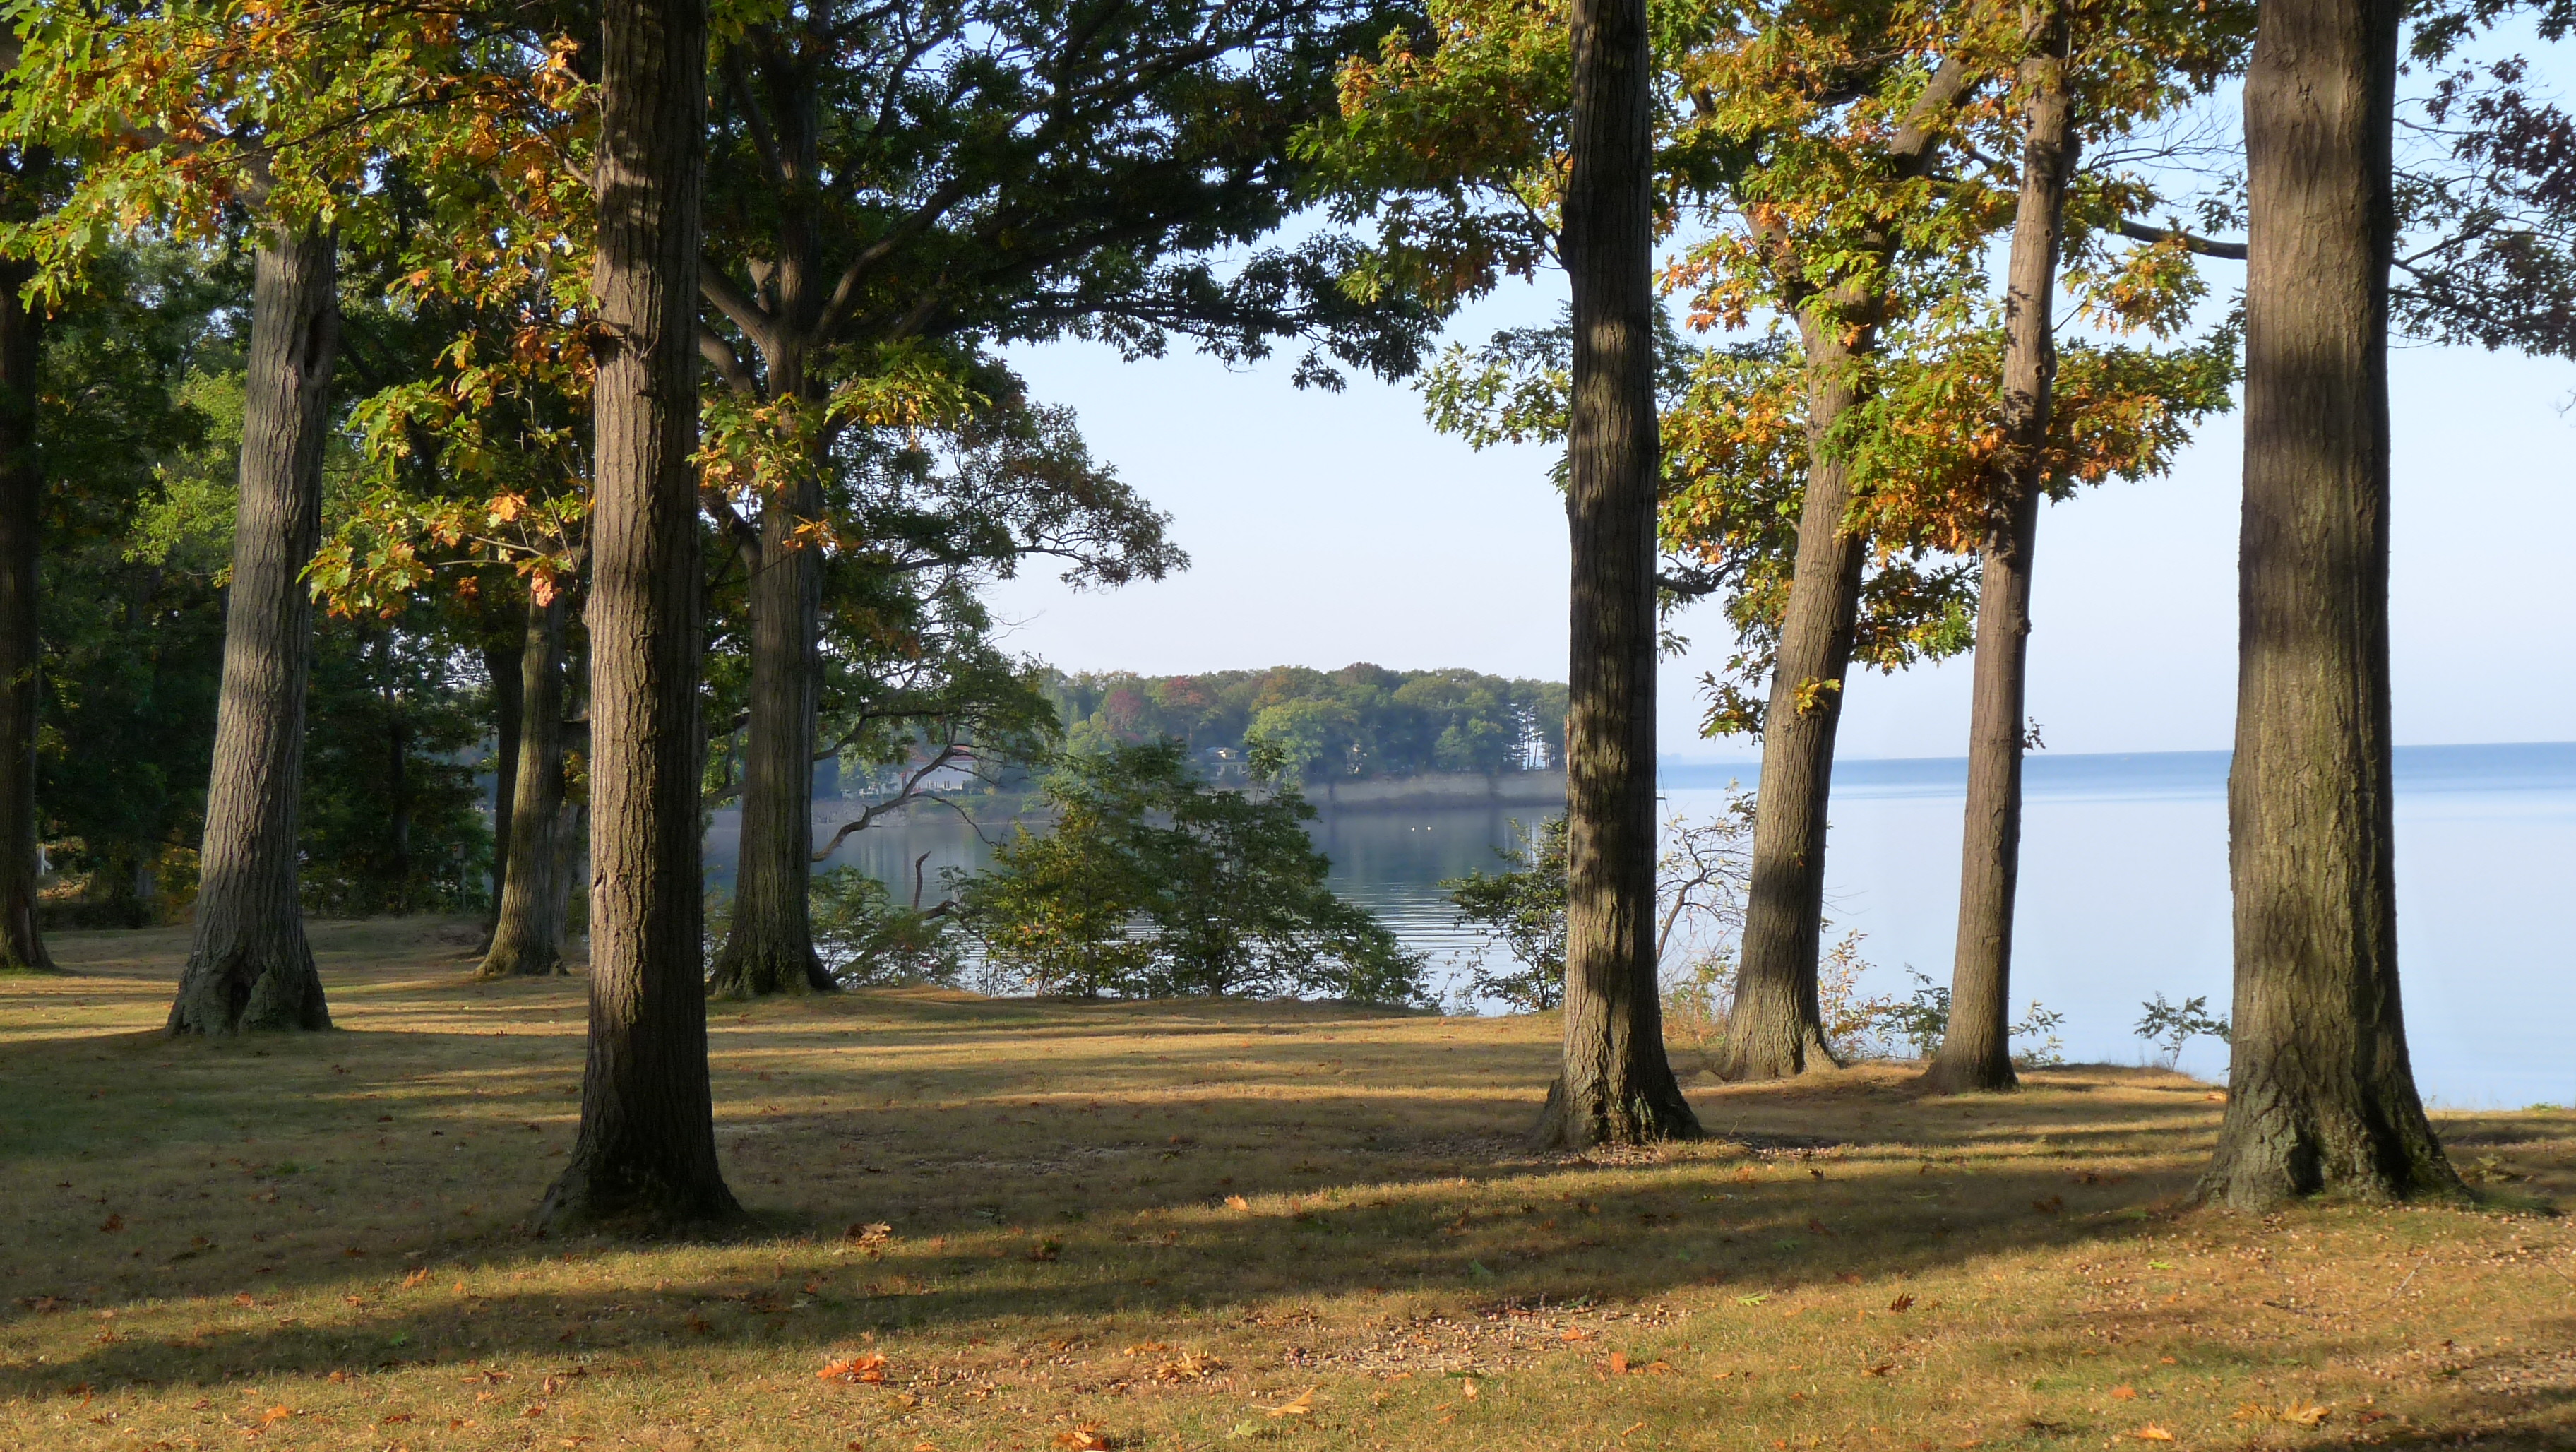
[[1616, 1086], [1151, 885], [646, 1153], [249, 966], [528, 921], [2321, 1094], [22, 489], [1028, 171]]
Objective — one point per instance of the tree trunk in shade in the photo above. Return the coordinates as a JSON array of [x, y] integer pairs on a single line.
[[1976, 1046], [2321, 1095], [770, 948], [248, 965], [645, 1156], [1617, 1086], [527, 935], [22, 499], [505, 662]]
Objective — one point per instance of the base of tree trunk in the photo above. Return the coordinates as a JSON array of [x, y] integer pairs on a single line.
[[2276, 1146], [250, 989], [16, 955], [1642, 1115], [506, 961], [586, 1199], [1771, 1051], [748, 968], [1969, 1074]]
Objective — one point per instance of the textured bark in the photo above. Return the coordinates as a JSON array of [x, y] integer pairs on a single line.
[[770, 948], [505, 663], [248, 965], [1775, 1027], [22, 493], [1976, 1046], [645, 1156], [2321, 1093], [527, 935], [1617, 1085]]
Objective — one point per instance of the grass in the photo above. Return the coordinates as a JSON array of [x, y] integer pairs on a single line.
[[1188, 1226]]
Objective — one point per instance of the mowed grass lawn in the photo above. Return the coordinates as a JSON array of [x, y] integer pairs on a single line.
[[1057, 1225]]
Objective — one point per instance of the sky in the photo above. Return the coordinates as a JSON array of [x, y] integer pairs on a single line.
[[1328, 528]]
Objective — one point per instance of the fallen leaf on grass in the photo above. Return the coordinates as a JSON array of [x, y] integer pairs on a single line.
[[2124, 1393], [865, 1367], [274, 1415], [2152, 1433], [1082, 1439], [1882, 1369], [2305, 1414], [1755, 1299], [392, 1419], [1237, 1202], [417, 1278], [1901, 1303], [1188, 1366], [1618, 1363], [1302, 1405]]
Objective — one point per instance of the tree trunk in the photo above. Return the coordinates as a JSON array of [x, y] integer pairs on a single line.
[[249, 966], [527, 936], [1976, 1046], [2321, 1095], [771, 946], [507, 667], [22, 498], [1617, 1085], [645, 1156], [1775, 1027]]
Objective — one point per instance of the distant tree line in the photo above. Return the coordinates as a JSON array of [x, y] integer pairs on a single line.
[[1359, 721]]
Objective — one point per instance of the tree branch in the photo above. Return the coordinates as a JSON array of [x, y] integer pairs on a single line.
[[2200, 246]]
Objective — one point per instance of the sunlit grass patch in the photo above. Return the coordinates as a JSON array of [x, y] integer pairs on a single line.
[[1052, 1225]]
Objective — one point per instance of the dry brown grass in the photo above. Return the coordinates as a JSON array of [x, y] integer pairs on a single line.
[[1187, 1226]]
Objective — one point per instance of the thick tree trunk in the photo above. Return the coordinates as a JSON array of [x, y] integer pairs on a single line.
[[1617, 1085], [645, 1156], [2321, 1093], [506, 664], [1976, 1046], [527, 936], [249, 966], [22, 497], [770, 948], [1775, 1027]]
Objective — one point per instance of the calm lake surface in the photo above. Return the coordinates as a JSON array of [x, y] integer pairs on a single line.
[[2123, 892]]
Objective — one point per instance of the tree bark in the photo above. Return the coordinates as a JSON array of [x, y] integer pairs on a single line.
[[506, 664], [527, 935], [645, 1156], [770, 948], [1775, 1027], [2321, 1095], [1617, 1085], [249, 966], [1976, 1046], [22, 498]]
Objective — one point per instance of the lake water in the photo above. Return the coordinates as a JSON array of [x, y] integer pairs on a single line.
[[2123, 893]]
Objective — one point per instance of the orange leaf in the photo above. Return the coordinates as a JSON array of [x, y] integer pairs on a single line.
[[866, 1367], [1237, 1202], [2152, 1433], [1618, 1363], [2124, 1393]]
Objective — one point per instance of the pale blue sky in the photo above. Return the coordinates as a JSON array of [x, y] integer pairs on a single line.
[[1331, 528]]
